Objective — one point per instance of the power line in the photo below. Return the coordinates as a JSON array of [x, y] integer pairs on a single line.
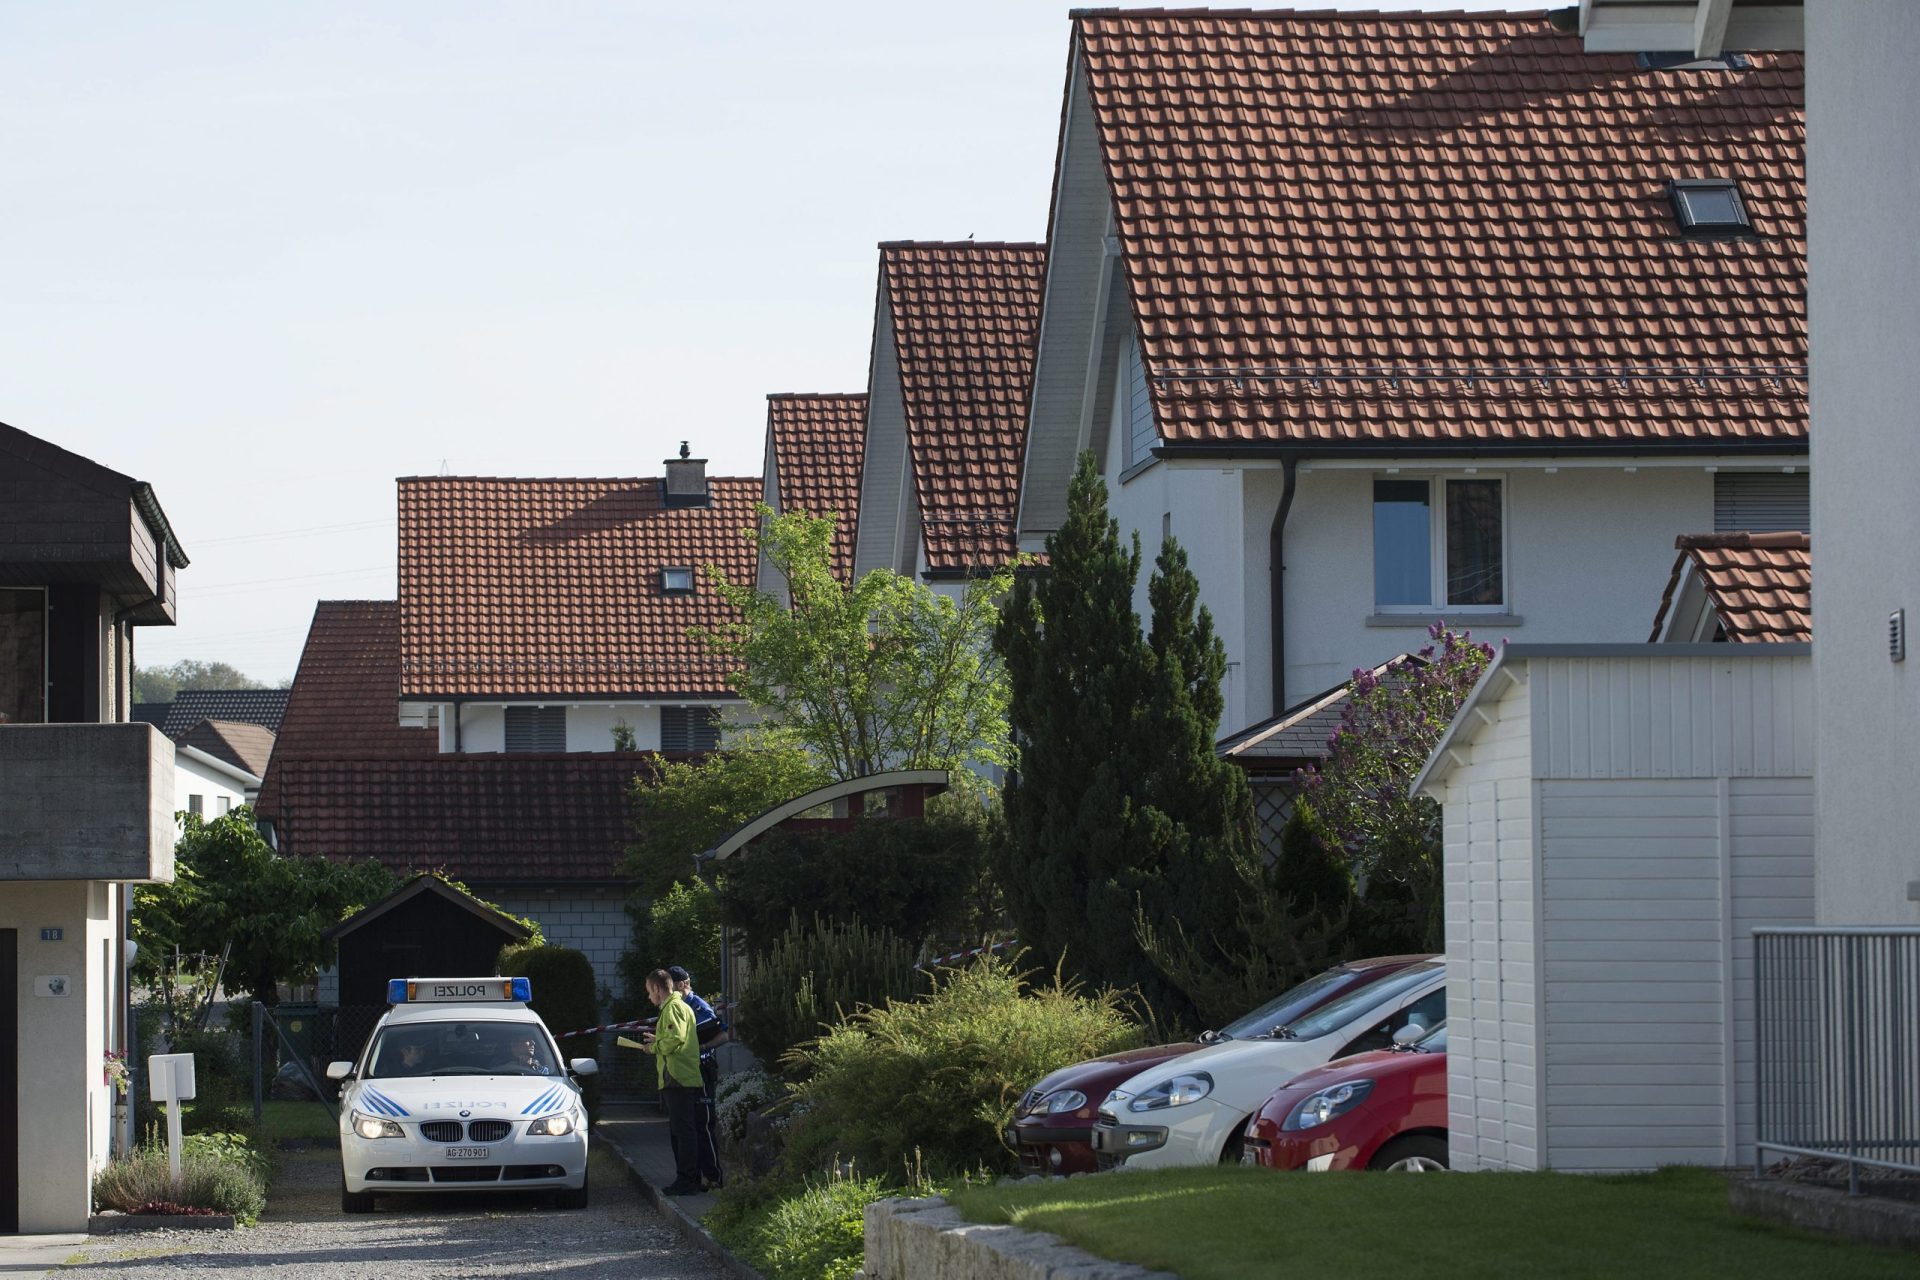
[[316, 530]]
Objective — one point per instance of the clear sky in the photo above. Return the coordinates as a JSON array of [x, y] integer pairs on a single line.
[[271, 256]]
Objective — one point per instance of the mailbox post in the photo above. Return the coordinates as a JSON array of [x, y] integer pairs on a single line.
[[170, 1081]]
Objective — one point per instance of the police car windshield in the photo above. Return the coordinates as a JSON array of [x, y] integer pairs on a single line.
[[460, 1049]]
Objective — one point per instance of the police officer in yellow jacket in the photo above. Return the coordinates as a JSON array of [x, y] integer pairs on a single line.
[[675, 1047]]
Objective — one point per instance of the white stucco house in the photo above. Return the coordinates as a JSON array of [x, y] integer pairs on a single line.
[[1397, 317], [219, 764]]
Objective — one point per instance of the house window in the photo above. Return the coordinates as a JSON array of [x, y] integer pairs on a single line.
[[1141, 435], [689, 728], [194, 805], [1761, 502], [1709, 207], [536, 729], [677, 580], [1439, 541], [23, 656], [226, 804]]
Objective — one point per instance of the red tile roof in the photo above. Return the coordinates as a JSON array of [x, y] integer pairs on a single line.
[[819, 442], [1394, 230], [966, 318], [552, 587], [347, 782], [242, 745], [1760, 585]]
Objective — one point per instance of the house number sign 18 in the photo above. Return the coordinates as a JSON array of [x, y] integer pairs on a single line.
[[52, 935]]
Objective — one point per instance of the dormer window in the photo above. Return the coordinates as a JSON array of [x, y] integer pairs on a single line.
[[677, 580], [1710, 207]]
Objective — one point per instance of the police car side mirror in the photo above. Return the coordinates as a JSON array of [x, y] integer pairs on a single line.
[[339, 1070], [584, 1067]]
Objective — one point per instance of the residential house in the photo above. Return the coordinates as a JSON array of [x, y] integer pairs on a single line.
[[815, 445], [1738, 586], [954, 336], [1404, 316], [220, 764], [470, 726], [189, 707], [86, 802]]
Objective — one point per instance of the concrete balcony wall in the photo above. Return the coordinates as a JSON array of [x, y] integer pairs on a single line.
[[86, 802]]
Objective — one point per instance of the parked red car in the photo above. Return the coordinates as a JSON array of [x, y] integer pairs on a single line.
[[1053, 1126], [1381, 1110]]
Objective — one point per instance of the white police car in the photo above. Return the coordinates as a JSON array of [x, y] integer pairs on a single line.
[[461, 1088]]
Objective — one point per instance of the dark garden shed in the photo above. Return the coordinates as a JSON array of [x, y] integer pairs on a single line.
[[425, 928]]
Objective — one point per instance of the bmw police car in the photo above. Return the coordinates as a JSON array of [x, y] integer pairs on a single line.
[[461, 1088]]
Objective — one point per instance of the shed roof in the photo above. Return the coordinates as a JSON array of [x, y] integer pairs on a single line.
[[428, 883], [1300, 735]]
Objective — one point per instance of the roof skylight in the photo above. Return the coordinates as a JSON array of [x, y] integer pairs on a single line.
[[1710, 207]]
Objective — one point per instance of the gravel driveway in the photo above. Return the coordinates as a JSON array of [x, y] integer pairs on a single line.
[[304, 1236]]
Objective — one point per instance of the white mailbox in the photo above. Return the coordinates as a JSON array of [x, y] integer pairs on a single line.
[[170, 1077]]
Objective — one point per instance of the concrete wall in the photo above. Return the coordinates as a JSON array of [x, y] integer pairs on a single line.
[[589, 920], [65, 1106], [1863, 171], [86, 801]]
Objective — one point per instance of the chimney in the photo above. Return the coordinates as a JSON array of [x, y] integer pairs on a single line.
[[686, 482]]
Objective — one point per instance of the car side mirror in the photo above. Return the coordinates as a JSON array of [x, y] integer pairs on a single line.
[[1409, 1033], [584, 1067], [339, 1070]]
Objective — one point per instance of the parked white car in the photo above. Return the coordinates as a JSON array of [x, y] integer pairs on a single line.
[[1193, 1110], [461, 1088]]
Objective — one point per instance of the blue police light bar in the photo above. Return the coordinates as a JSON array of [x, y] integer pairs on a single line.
[[457, 990]]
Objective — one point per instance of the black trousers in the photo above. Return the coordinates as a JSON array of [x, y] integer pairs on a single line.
[[693, 1158]]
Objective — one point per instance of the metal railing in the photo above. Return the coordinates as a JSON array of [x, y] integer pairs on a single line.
[[1838, 1037]]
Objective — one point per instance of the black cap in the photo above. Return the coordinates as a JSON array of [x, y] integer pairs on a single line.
[[678, 974]]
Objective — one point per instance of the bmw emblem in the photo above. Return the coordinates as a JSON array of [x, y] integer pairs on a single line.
[[465, 1114]]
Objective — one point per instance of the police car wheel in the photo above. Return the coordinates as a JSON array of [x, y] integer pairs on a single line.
[[354, 1201], [571, 1199]]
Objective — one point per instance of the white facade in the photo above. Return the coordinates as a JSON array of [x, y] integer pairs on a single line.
[[1863, 172], [1618, 820], [208, 785], [482, 726]]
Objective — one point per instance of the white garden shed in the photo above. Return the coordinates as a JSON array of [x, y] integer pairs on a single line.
[[1618, 819]]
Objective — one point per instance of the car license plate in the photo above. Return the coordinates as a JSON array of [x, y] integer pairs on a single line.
[[468, 1153]]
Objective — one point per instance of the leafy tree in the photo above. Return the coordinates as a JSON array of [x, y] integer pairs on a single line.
[[231, 889], [163, 684], [1120, 809], [679, 808], [681, 926], [1390, 727], [883, 673]]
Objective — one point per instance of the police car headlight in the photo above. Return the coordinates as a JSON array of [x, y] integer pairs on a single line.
[[375, 1127], [554, 1126]]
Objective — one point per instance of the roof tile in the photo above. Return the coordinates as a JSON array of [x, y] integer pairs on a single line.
[[1759, 584], [819, 442]]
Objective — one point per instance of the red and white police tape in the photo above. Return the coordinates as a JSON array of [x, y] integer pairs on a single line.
[[966, 955]]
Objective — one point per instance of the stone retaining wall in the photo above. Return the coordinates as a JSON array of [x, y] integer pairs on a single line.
[[929, 1240]]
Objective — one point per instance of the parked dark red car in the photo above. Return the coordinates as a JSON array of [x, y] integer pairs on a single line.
[[1381, 1110], [1053, 1126]]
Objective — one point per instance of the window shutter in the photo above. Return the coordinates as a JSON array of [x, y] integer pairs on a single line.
[[537, 729], [1761, 502], [689, 728]]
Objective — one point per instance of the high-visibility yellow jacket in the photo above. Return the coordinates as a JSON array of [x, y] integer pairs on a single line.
[[676, 1046]]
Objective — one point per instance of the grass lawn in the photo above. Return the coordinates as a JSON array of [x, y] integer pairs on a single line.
[[282, 1119], [1217, 1224]]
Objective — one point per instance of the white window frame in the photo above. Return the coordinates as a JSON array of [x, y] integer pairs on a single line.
[[1437, 544]]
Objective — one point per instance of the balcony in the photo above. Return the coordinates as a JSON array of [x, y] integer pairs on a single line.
[[85, 802]]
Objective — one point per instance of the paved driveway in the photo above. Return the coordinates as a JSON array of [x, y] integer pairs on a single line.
[[304, 1236]]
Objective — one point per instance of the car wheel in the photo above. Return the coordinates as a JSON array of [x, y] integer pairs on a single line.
[[354, 1201], [570, 1198], [1235, 1144], [1414, 1153]]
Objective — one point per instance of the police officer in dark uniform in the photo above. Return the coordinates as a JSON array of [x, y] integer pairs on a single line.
[[713, 1032]]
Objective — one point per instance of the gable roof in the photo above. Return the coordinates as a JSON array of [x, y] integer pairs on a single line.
[[522, 587], [29, 450], [1300, 735], [1759, 585], [817, 443], [244, 746], [263, 707], [966, 321], [427, 883], [347, 782], [1432, 231]]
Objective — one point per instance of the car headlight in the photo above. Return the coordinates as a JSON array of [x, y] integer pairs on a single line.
[[376, 1127], [552, 1126], [1057, 1102], [1188, 1086], [1318, 1108]]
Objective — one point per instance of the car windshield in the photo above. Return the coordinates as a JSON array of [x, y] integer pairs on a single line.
[[1284, 1009], [460, 1049], [1435, 1041], [1332, 1017]]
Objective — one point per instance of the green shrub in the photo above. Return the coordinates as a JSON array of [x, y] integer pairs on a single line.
[[219, 1172], [813, 974], [920, 878], [681, 926], [566, 997], [938, 1077], [813, 1232]]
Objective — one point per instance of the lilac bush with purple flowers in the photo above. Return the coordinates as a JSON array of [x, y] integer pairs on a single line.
[[1362, 794]]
